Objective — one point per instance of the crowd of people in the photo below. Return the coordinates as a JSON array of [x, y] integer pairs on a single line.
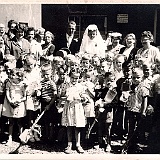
[[78, 83]]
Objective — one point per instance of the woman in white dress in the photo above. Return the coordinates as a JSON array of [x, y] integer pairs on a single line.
[[92, 42]]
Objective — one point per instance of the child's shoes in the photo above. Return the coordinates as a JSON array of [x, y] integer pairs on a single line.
[[32, 139], [68, 150], [108, 148], [9, 143], [36, 137], [80, 149]]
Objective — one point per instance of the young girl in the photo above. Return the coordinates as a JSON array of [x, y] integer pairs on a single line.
[[32, 77], [73, 113], [14, 103]]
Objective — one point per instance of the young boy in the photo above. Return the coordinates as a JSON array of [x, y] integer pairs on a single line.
[[105, 111], [137, 105], [120, 125], [48, 97]]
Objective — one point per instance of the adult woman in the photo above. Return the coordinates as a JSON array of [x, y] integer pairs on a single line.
[[92, 42], [115, 45], [148, 53], [48, 48], [39, 36], [36, 49], [129, 50], [20, 47]]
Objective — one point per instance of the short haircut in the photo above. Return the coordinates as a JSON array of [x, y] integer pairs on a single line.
[[10, 22], [52, 35], [30, 29], [71, 23], [147, 34]]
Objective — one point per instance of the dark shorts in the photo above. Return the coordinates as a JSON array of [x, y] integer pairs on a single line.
[[50, 116]]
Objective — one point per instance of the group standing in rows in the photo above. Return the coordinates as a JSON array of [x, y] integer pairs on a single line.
[[77, 82]]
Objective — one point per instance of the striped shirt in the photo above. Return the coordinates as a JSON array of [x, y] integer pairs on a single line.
[[48, 89]]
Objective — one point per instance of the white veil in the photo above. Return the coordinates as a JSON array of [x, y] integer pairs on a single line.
[[95, 46]]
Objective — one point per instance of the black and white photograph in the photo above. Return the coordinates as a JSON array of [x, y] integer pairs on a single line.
[[80, 80]]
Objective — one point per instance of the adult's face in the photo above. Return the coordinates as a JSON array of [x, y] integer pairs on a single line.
[[115, 40], [19, 34], [71, 29], [130, 41], [13, 25], [145, 41], [48, 38], [30, 35], [41, 35], [2, 31]]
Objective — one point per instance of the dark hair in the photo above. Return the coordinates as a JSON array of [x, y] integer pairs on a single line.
[[30, 29], [147, 34], [11, 22], [71, 23], [107, 74]]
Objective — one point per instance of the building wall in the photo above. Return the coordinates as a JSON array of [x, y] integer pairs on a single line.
[[140, 17], [27, 13]]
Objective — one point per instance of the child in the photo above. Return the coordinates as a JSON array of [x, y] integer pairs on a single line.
[[73, 113], [14, 103], [32, 77], [105, 111], [3, 77], [137, 105], [48, 97], [148, 122], [118, 61], [156, 96], [57, 63], [85, 65], [123, 91]]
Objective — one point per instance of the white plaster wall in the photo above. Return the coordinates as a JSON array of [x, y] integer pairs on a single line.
[[28, 13]]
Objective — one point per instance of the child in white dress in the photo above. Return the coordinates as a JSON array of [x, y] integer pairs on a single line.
[[32, 78], [73, 116], [14, 103]]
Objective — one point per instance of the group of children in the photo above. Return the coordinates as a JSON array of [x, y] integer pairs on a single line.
[[74, 94]]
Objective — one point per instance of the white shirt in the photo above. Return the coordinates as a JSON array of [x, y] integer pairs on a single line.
[[69, 40]]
